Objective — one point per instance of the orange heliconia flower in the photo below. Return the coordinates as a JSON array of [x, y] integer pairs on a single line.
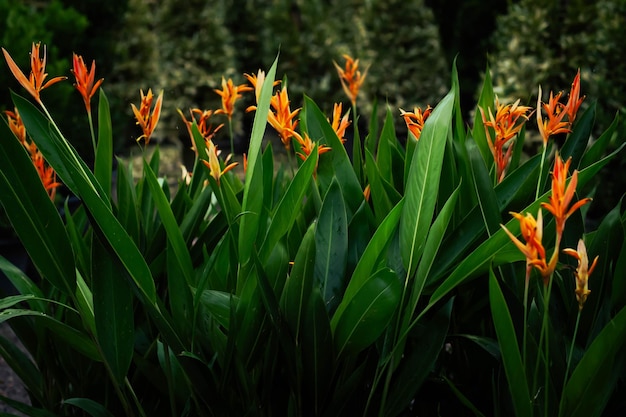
[[506, 125], [582, 272], [35, 82], [85, 80], [202, 119], [282, 118], [307, 145], [230, 93], [257, 81], [146, 117], [215, 168], [561, 197], [46, 172], [17, 126], [533, 250], [350, 77], [415, 120], [556, 112], [340, 124], [574, 100]]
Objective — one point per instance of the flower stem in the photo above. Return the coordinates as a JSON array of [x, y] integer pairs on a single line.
[[93, 136], [543, 159], [571, 350]]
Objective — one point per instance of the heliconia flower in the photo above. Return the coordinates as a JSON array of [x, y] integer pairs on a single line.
[[574, 100], [230, 93], [339, 123], [257, 81], [307, 145], [46, 173], [35, 82], [350, 77], [17, 126], [146, 117], [556, 112], [85, 80], [215, 169], [582, 272], [506, 125], [282, 118], [533, 250], [202, 119], [415, 120], [561, 197], [366, 192]]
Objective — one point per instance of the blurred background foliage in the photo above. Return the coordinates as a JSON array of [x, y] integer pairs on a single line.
[[184, 48]]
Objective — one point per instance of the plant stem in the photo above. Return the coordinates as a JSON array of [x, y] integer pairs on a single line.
[[543, 159], [93, 136], [230, 133], [524, 333], [571, 351]]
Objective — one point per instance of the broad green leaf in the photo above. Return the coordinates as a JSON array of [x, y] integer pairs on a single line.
[[384, 153], [104, 151], [24, 367], [373, 252], [174, 234], [22, 283], [180, 297], [127, 212], [598, 147], [458, 125], [423, 183], [334, 164], [380, 200], [509, 348], [618, 293], [113, 312], [485, 101], [219, 304], [34, 217], [66, 334], [290, 205], [253, 187], [428, 336], [91, 407], [27, 409], [487, 198], [367, 314], [331, 246], [591, 384], [299, 284]]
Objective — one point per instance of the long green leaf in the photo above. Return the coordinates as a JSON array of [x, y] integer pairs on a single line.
[[423, 183], [367, 314], [577, 141], [104, 151], [34, 217], [511, 357], [592, 382], [113, 312], [331, 246], [253, 188], [90, 406], [485, 101]]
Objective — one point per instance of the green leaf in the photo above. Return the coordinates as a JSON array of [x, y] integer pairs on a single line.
[[331, 246], [592, 382], [299, 284], [367, 314], [22, 364], [290, 205], [90, 406], [485, 101], [22, 283], [509, 348], [34, 217], [113, 312], [334, 164], [423, 183], [487, 198], [597, 149], [253, 187], [380, 200], [104, 151]]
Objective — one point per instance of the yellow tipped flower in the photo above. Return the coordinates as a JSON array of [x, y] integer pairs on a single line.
[[282, 118], [215, 168], [506, 125], [17, 126], [415, 120], [350, 77], [85, 80], [561, 197], [145, 118], [582, 272], [574, 100], [340, 124], [230, 93], [205, 127], [533, 250], [35, 82]]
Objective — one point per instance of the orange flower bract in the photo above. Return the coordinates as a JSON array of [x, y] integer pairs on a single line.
[[282, 118], [147, 118], [351, 78], [415, 120], [35, 82], [85, 80], [215, 168], [339, 123], [230, 93]]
